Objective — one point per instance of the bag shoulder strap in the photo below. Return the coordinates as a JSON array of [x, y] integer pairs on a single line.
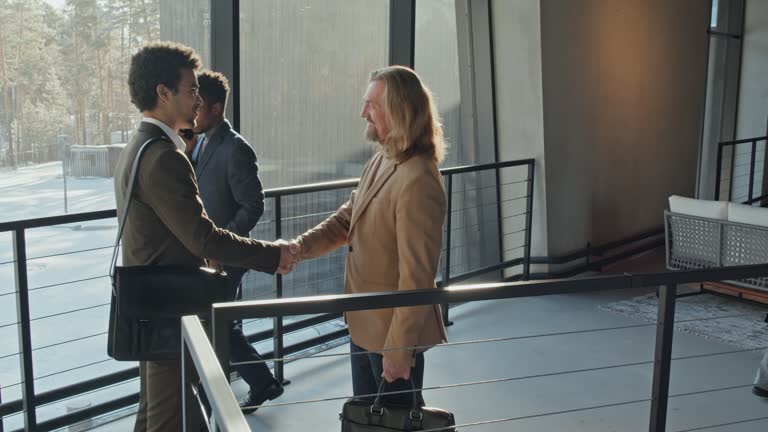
[[128, 198]]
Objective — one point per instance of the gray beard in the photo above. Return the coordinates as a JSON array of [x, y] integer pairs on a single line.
[[371, 134]]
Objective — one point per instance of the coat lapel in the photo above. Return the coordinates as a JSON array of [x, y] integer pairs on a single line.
[[212, 146], [385, 171]]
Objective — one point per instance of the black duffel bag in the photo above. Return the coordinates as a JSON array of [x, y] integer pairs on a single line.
[[360, 415], [149, 300]]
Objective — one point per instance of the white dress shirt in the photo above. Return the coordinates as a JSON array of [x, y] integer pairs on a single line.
[[173, 135]]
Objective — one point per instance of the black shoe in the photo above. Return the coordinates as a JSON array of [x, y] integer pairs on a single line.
[[256, 398], [759, 391]]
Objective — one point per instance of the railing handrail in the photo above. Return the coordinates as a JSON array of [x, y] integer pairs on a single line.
[[268, 193], [742, 141], [251, 309], [224, 406], [23, 224], [225, 313]]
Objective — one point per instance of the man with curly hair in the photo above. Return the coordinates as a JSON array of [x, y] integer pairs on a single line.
[[167, 224]]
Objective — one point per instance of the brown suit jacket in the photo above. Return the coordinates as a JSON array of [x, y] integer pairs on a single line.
[[167, 223], [393, 225]]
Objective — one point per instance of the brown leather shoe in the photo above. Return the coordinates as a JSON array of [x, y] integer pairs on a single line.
[[256, 398]]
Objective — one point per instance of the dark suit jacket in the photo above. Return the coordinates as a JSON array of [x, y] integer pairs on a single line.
[[167, 223], [228, 178]]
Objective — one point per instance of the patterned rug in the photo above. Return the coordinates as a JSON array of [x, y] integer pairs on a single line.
[[713, 317]]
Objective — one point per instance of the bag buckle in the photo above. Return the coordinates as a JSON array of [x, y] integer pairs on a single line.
[[415, 413], [379, 411]]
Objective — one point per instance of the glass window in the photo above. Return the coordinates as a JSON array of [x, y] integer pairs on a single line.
[[188, 22], [436, 60], [64, 111], [304, 67], [64, 102], [723, 73], [474, 216]]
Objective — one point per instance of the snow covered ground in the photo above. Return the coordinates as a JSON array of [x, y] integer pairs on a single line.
[[38, 191], [69, 291]]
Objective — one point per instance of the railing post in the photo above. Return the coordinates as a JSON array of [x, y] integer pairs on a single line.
[[25, 331], [752, 170], [662, 363], [718, 174], [191, 415], [222, 333], [500, 218], [447, 266], [528, 223], [277, 323]]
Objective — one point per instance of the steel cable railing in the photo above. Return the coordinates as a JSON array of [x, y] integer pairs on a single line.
[[516, 338], [467, 186], [68, 312], [446, 345], [82, 366], [110, 247], [223, 313], [68, 341], [57, 284], [723, 424], [527, 377]]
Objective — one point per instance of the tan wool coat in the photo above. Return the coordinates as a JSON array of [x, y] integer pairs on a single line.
[[393, 226]]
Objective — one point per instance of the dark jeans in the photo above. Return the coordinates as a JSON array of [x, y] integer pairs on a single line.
[[366, 377], [256, 375]]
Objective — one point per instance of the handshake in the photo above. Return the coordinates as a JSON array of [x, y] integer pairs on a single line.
[[289, 255]]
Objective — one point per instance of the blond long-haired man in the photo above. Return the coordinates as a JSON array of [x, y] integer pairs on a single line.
[[392, 224]]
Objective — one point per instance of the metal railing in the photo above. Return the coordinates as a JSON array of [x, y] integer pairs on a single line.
[[199, 364], [31, 399], [223, 314], [731, 179], [607, 254]]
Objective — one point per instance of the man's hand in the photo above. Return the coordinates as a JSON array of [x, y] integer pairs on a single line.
[[289, 256], [393, 371], [216, 265]]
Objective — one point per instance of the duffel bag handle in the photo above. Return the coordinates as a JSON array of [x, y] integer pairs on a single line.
[[378, 404]]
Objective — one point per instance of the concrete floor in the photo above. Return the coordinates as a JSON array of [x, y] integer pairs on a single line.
[[594, 400]]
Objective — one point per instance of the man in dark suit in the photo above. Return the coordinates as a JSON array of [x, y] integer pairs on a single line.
[[228, 178], [167, 224]]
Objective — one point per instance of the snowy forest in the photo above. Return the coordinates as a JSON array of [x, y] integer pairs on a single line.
[[63, 72]]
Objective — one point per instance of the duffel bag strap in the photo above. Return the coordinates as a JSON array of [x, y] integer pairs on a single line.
[[128, 198]]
